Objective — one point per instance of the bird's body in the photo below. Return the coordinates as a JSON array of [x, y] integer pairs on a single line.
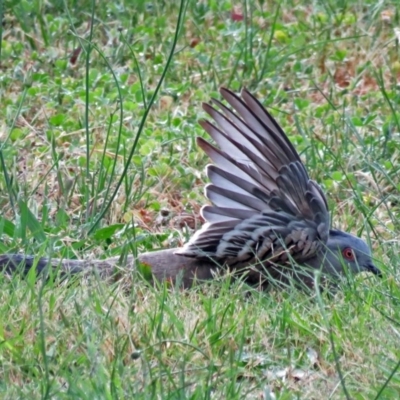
[[266, 217], [266, 213]]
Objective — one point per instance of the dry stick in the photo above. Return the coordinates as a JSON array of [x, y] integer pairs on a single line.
[[163, 265]]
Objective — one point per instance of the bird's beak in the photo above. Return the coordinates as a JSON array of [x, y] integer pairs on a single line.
[[376, 271]]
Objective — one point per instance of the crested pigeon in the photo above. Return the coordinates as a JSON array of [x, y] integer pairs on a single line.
[[267, 215]]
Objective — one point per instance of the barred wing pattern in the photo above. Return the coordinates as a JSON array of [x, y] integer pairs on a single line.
[[264, 205]]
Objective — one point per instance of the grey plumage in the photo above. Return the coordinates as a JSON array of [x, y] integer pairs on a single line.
[[266, 212]]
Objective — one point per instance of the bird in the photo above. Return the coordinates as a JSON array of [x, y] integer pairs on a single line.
[[266, 217]]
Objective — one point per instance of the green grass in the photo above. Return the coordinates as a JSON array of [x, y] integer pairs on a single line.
[[88, 163]]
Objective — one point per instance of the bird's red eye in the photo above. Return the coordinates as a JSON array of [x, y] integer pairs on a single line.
[[348, 254]]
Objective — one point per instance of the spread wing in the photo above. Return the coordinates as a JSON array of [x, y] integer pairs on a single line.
[[264, 205]]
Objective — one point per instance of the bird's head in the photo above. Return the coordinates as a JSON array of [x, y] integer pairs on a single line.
[[344, 249]]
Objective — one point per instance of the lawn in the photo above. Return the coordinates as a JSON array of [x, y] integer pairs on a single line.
[[98, 158]]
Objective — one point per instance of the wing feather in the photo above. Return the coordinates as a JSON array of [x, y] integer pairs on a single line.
[[265, 208]]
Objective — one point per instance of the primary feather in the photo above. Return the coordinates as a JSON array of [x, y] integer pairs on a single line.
[[265, 210]]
